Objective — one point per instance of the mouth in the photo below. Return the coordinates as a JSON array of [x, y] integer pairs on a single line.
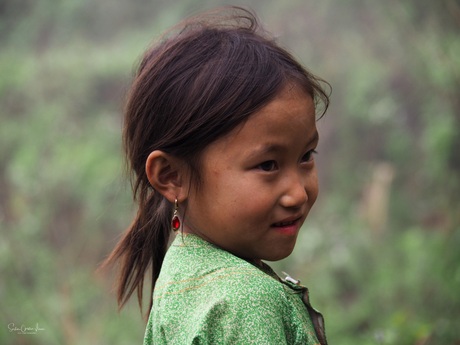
[[281, 224], [288, 226]]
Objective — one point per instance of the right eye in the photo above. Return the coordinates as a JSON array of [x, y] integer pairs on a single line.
[[268, 166]]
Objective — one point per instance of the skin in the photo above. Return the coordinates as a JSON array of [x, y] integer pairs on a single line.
[[260, 181]]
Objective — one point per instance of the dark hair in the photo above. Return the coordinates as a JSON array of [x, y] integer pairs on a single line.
[[205, 78]]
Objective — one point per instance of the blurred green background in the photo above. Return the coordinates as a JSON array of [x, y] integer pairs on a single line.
[[381, 249]]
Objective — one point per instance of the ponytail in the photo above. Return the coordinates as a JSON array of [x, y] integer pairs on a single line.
[[143, 246]]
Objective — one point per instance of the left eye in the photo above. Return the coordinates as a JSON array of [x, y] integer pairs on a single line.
[[307, 157], [268, 166]]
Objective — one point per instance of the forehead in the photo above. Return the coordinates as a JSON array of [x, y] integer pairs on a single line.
[[287, 121], [292, 105]]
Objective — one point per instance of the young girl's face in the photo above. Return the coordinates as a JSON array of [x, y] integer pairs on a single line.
[[259, 181]]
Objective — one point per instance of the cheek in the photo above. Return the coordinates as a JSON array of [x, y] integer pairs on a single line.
[[245, 201]]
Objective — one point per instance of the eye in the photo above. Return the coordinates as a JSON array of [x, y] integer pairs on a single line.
[[307, 157], [268, 166]]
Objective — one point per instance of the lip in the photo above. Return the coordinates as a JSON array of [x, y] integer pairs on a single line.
[[288, 226]]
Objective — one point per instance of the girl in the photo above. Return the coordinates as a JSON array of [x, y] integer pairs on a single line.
[[220, 135]]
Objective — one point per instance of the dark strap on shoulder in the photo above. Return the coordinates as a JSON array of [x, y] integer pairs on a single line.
[[315, 316]]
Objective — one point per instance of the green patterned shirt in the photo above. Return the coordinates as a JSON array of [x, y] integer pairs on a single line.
[[205, 295]]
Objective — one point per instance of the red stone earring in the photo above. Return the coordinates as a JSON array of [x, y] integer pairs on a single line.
[[175, 222]]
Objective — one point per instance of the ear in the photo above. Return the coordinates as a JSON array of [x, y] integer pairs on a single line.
[[167, 175]]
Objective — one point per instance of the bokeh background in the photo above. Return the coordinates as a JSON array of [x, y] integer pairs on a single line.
[[381, 249]]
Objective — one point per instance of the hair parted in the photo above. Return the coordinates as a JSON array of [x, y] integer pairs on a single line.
[[206, 76]]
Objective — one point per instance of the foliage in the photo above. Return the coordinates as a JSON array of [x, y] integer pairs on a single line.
[[380, 250]]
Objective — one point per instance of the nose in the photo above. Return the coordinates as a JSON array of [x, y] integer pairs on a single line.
[[296, 191]]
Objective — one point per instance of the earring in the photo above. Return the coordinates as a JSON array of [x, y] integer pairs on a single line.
[[175, 221]]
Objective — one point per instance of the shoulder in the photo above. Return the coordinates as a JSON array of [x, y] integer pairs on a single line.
[[239, 305], [247, 283], [198, 268], [240, 283], [192, 263], [211, 294]]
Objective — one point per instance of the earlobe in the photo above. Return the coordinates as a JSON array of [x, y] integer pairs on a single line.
[[166, 174]]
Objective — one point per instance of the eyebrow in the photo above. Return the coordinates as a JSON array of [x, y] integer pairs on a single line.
[[274, 148], [314, 138]]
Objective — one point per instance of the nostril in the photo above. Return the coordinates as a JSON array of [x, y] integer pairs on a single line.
[[295, 198]]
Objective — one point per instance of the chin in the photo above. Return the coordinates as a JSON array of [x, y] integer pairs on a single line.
[[278, 256]]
